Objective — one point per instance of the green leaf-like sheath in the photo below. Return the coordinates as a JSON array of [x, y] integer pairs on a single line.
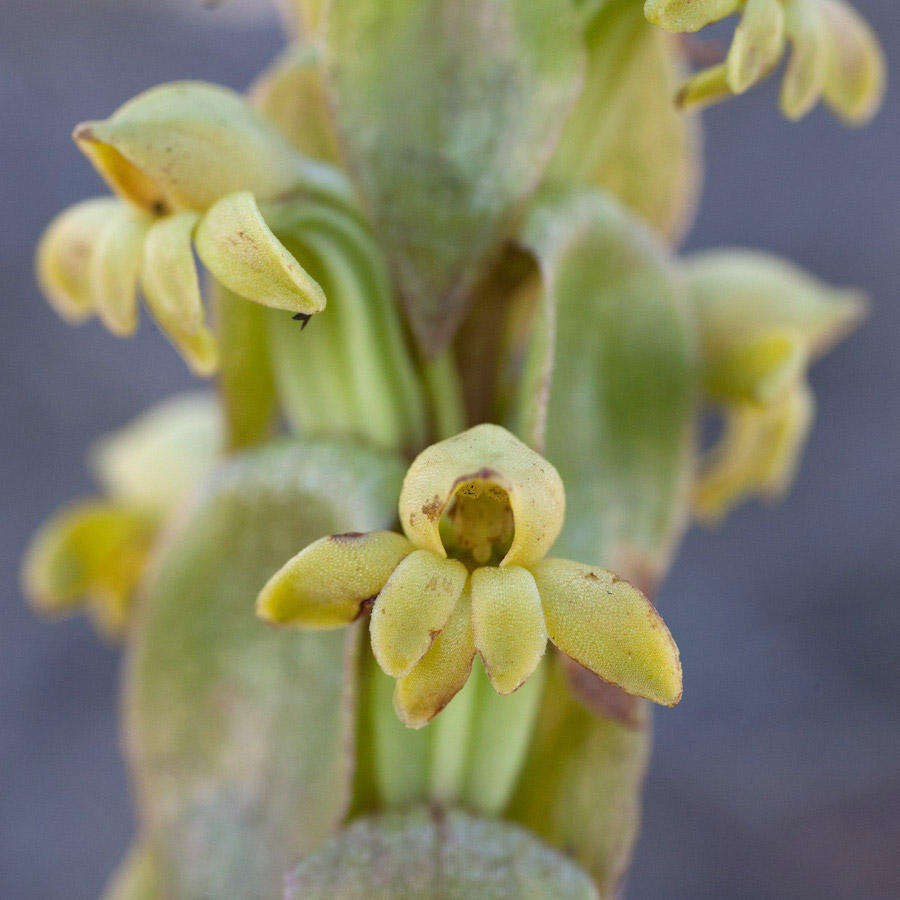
[[239, 733], [448, 113], [432, 853], [612, 378]]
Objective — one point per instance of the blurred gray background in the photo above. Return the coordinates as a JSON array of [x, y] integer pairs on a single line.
[[778, 774]]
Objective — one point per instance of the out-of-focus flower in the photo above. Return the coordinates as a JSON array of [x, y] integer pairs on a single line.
[[190, 162], [762, 323], [835, 55], [93, 554], [479, 511]]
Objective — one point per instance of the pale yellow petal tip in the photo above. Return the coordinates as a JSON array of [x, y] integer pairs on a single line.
[[441, 673], [333, 580], [509, 627], [240, 249]]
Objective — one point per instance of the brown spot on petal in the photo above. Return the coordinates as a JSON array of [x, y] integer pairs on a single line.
[[365, 607], [433, 509], [347, 536]]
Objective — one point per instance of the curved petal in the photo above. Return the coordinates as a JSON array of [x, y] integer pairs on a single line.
[[487, 454], [172, 289], [805, 73], [327, 584], [510, 632], [687, 15], [62, 261], [610, 627], [115, 266], [757, 45], [185, 144], [239, 248], [412, 608], [437, 677]]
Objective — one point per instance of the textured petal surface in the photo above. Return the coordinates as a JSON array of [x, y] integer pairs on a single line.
[[610, 627], [239, 248], [187, 144], [412, 608], [326, 584], [510, 632], [486, 453], [688, 15], [442, 671]]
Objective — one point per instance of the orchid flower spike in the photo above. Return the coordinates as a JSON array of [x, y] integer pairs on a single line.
[[479, 511]]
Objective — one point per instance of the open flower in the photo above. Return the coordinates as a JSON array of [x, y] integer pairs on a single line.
[[835, 55], [190, 162], [480, 511]]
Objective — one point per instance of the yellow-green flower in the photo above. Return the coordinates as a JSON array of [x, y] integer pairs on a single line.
[[835, 55], [93, 554], [479, 511], [189, 162]]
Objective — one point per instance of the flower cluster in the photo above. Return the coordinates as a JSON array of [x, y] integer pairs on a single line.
[[189, 161], [479, 511], [835, 55]]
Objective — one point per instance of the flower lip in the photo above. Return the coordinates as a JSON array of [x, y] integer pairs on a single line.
[[488, 480]]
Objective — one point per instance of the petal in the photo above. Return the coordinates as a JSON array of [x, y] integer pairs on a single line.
[[172, 289], [609, 627], [510, 632], [687, 15], [489, 454], [435, 680], [757, 45], [62, 261], [93, 552], [326, 584], [856, 75], [804, 76], [412, 608], [758, 453], [115, 267], [239, 248], [185, 145]]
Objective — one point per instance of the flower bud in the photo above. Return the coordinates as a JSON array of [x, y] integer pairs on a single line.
[[757, 45], [688, 15], [240, 250], [187, 144], [63, 258]]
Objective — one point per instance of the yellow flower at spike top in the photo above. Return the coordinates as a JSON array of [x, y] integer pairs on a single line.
[[480, 512]]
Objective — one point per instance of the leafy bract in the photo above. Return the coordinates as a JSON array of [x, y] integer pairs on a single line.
[[610, 383], [433, 853], [625, 133], [239, 733], [448, 113]]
